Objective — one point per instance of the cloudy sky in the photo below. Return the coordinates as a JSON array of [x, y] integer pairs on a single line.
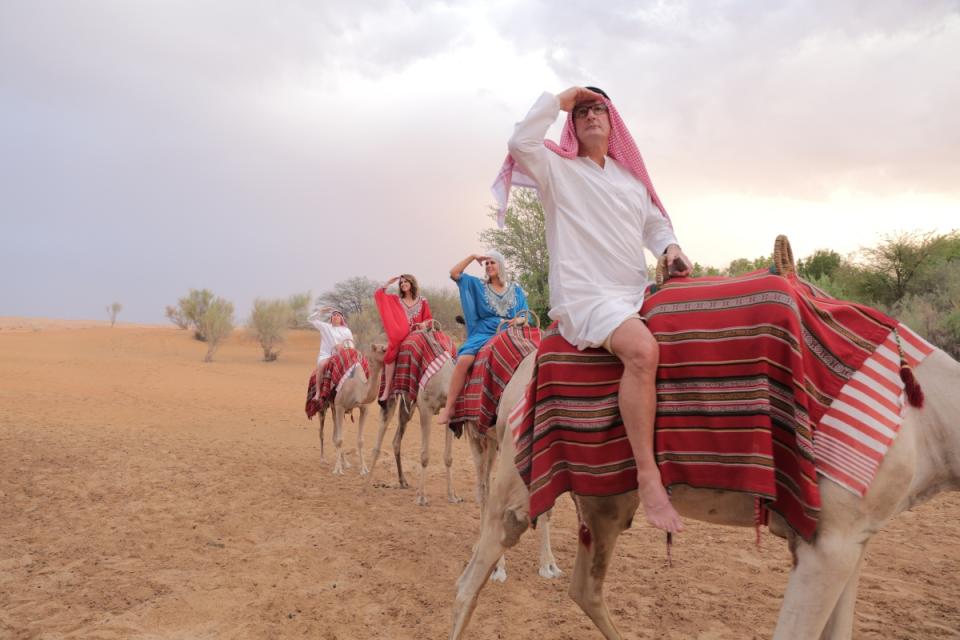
[[267, 148]]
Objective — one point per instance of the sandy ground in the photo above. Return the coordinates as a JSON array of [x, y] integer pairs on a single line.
[[145, 494]]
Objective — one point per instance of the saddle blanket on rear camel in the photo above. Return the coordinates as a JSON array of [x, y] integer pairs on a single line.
[[338, 366], [495, 364], [764, 381], [419, 357]]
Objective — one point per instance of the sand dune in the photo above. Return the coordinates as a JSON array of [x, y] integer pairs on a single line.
[[145, 494]]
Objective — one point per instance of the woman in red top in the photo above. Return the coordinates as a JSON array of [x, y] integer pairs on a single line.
[[400, 314]]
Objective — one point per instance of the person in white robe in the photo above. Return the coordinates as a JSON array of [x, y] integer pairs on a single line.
[[333, 333], [600, 214]]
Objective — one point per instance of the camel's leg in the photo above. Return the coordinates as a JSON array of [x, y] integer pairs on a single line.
[[478, 449], [402, 419], [338, 440], [448, 462], [505, 518], [421, 499], [385, 414], [322, 417], [548, 563], [363, 418], [840, 624], [605, 519], [822, 572]]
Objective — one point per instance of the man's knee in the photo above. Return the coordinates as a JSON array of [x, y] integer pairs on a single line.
[[638, 350]]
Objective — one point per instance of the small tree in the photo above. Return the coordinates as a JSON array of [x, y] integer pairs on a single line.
[[112, 311], [268, 323], [299, 310], [350, 296], [445, 306], [523, 243], [215, 325]]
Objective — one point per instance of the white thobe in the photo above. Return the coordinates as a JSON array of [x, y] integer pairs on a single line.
[[598, 221], [330, 336]]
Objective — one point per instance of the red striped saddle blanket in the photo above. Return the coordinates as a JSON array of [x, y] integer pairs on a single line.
[[764, 381], [342, 360], [420, 356], [490, 373]]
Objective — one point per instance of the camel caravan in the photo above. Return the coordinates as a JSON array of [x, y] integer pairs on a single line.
[[823, 470], [755, 400]]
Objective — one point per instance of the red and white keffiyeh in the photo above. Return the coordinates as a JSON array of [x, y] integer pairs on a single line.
[[621, 148]]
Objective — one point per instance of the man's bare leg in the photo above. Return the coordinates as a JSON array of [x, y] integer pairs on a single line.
[[636, 347], [388, 385], [457, 381]]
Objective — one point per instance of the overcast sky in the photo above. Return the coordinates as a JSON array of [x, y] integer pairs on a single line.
[[267, 148]]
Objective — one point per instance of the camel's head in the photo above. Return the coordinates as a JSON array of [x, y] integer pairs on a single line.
[[376, 352]]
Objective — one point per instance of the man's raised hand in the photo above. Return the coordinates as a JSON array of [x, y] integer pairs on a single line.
[[575, 95]]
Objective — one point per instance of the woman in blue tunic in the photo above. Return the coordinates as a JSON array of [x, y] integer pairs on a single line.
[[486, 303]]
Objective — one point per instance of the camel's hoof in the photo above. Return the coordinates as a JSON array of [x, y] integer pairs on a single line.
[[550, 571], [454, 499], [422, 500], [498, 575], [364, 472], [338, 471]]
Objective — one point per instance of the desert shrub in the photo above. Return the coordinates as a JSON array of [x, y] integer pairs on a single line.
[[445, 307], [268, 324], [215, 324], [175, 315], [190, 311], [299, 310], [112, 311]]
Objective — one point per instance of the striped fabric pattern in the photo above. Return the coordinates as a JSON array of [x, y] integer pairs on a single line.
[[861, 424], [419, 353], [749, 371], [343, 360], [493, 368]]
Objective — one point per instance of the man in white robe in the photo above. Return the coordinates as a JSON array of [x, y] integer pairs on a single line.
[[599, 216]]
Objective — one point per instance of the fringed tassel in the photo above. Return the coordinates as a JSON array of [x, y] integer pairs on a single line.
[[910, 385], [759, 517]]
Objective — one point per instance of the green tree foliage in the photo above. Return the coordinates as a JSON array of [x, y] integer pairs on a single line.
[[112, 311], [299, 310], [523, 243], [822, 263], [350, 296], [268, 323], [190, 310], [741, 266], [216, 324]]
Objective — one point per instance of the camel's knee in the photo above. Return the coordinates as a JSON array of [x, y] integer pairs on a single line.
[[514, 525]]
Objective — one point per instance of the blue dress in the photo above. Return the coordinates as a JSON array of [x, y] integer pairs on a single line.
[[484, 309]]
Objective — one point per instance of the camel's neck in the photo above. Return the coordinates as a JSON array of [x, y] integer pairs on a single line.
[[373, 384], [937, 428]]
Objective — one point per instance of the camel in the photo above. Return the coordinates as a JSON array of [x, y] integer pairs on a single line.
[[484, 448], [822, 589], [356, 392], [430, 401]]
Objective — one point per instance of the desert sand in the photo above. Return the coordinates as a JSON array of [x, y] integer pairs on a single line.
[[146, 494]]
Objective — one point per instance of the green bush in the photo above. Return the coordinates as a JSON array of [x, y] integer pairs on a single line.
[[268, 324], [215, 324]]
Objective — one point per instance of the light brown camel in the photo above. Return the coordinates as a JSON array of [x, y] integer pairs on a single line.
[[430, 400], [822, 589], [356, 392], [484, 448]]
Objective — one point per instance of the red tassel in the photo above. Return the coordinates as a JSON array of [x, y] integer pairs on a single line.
[[585, 537], [911, 386]]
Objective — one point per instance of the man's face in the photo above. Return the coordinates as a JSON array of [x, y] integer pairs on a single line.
[[591, 121]]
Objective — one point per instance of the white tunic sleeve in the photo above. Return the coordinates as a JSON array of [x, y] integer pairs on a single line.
[[526, 144], [657, 232]]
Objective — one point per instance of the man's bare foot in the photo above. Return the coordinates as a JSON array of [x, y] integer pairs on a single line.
[[656, 505]]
